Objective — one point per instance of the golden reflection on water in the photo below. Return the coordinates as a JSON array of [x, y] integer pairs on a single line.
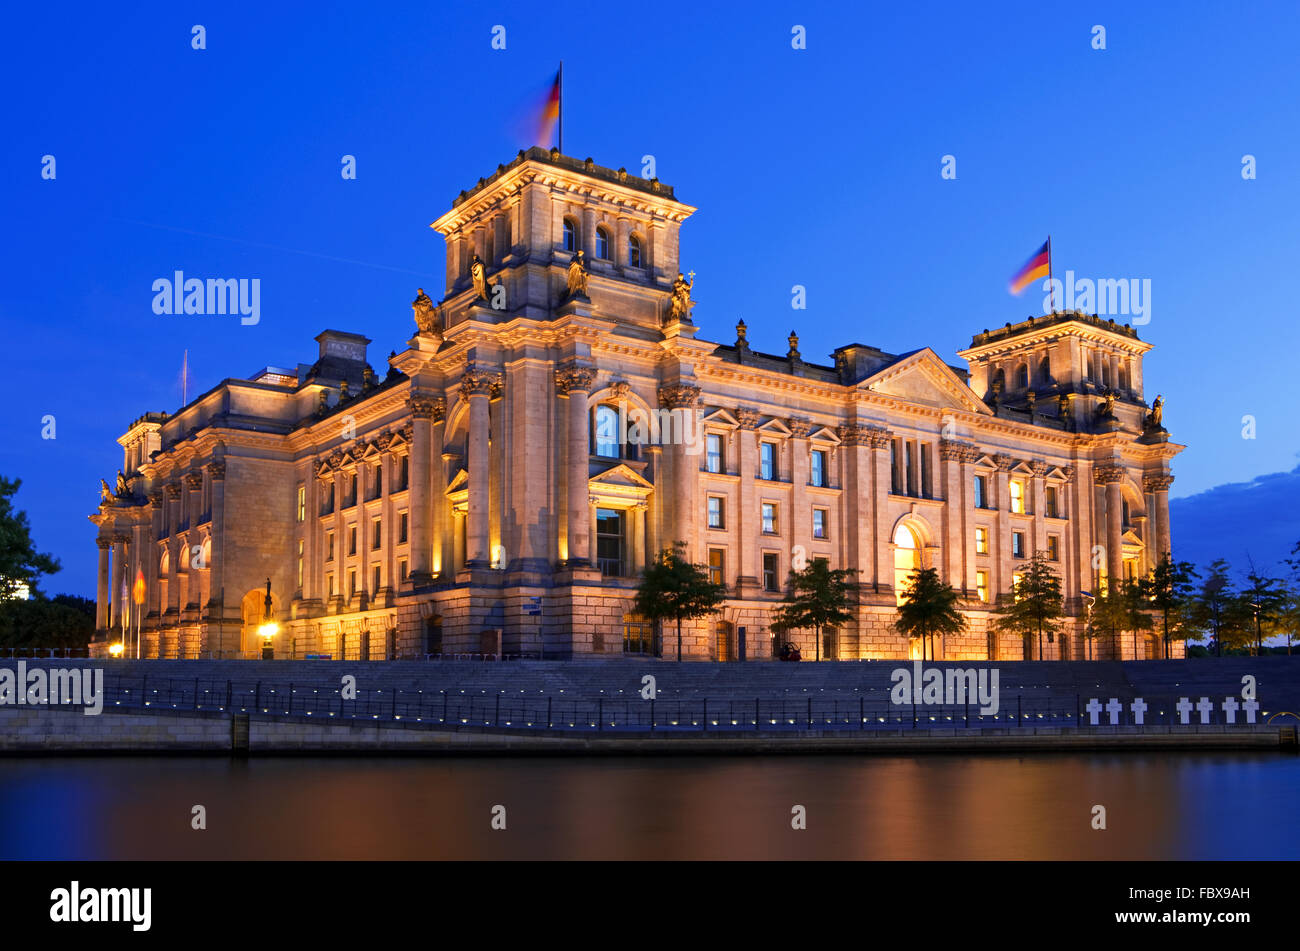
[[858, 807]]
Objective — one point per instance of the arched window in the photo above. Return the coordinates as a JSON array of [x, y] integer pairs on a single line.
[[1022, 377], [605, 433], [633, 251], [570, 235], [907, 558], [602, 244], [164, 564]]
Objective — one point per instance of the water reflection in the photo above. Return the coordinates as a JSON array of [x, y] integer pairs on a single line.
[[1180, 806]]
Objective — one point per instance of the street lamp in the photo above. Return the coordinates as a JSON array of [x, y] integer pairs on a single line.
[[269, 627], [116, 649], [1091, 600]]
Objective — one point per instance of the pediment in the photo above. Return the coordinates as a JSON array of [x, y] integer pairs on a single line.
[[825, 434], [459, 482], [775, 426], [923, 378], [621, 475], [720, 417]]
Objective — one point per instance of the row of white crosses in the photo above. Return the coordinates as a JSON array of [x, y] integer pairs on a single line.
[[1184, 706]]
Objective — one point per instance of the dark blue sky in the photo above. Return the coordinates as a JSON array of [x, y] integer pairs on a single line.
[[817, 167]]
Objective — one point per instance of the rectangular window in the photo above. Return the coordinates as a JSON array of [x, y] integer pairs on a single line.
[[982, 585], [609, 542], [401, 569], [379, 479], [717, 518], [909, 455], [302, 503], [352, 584], [981, 541], [1016, 576], [352, 490], [403, 472], [1053, 548], [376, 534], [896, 466], [329, 584], [713, 452], [402, 521], [375, 578], [770, 523], [329, 546], [767, 463], [981, 495], [352, 539], [925, 472], [819, 523], [1017, 497], [769, 571], [819, 467], [300, 546], [717, 565], [1017, 544], [1052, 510]]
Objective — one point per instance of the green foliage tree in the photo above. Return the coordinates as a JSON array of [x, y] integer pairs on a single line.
[[1109, 616], [929, 607], [64, 620], [674, 589], [1170, 590], [817, 597], [1134, 610], [1035, 605], [21, 565], [1217, 611], [1264, 600]]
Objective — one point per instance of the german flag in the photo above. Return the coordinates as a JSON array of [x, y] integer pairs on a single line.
[[1039, 265], [550, 111]]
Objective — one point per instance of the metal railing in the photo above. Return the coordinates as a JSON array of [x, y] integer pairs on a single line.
[[501, 710]]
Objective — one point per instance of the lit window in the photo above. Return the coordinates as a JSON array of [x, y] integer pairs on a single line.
[[716, 519], [1017, 544], [769, 519], [602, 244], [713, 452], [1050, 502], [302, 503], [818, 467], [767, 461], [1017, 497], [819, 523], [717, 565], [1016, 578], [981, 541], [633, 251], [1053, 548], [300, 563], [982, 585]]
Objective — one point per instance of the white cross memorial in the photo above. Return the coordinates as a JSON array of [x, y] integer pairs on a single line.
[[1204, 707], [1139, 707], [1114, 708], [1093, 708], [1184, 708], [1230, 708]]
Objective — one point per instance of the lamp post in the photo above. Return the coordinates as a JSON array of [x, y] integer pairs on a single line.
[[269, 627], [1088, 596]]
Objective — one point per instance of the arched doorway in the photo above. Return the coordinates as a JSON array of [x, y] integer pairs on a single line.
[[907, 559], [252, 613]]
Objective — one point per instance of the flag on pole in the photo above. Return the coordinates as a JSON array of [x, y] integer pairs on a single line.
[[1040, 265], [137, 593], [550, 112]]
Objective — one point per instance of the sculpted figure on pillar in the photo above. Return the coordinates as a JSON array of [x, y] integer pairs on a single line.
[[680, 304], [478, 275], [426, 313], [578, 275]]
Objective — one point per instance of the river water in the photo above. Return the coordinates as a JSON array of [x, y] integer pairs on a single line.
[[1158, 806]]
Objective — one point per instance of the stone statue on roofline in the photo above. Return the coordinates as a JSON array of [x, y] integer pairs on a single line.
[[426, 312], [478, 275], [679, 307], [1155, 419]]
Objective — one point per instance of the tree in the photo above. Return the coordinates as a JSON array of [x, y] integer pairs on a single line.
[[1217, 609], [64, 620], [1109, 617], [1170, 590], [1035, 604], [929, 607], [20, 563], [674, 589], [817, 597], [1133, 608], [1264, 598]]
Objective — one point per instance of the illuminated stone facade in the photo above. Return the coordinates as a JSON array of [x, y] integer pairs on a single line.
[[492, 494]]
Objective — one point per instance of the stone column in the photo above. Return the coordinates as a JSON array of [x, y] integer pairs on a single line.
[[193, 499], [1038, 488], [1111, 476], [477, 386], [216, 566], [173, 493], [800, 509], [574, 385], [882, 564], [422, 409], [103, 603], [151, 578], [638, 513], [655, 516], [749, 529], [685, 472], [119, 573], [1003, 560], [953, 474], [1158, 487]]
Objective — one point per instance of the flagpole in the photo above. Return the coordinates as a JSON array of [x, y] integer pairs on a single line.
[[1051, 287], [560, 145]]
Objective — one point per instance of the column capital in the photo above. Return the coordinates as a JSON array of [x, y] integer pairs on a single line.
[[1039, 468], [878, 437], [1004, 462], [955, 451], [216, 471], [427, 407], [679, 396], [155, 499], [103, 543], [1157, 483], [747, 418], [798, 426], [172, 490], [573, 378], [478, 382], [121, 538], [1108, 475], [194, 480]]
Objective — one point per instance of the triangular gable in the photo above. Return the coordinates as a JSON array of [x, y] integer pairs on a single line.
[[1131, 538], [720, 417], [986, 460], [1056, 473], [826, 434], [922, 377], [775, 425], [621, 474], [1023, 468], [458, 482]]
